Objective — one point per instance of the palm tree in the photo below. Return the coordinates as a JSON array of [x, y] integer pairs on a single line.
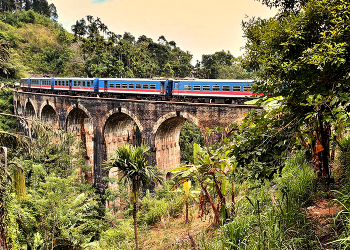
[[134, 171]]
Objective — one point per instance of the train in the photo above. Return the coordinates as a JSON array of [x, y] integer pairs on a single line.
[[160, 88]]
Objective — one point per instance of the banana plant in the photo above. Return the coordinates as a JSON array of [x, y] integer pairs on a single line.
[[210, 169], [188, 195]]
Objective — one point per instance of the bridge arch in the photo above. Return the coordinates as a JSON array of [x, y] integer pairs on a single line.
[[121, 110], [79, 122], [120, 127], [48, 114], [29, 109], [167, 136]]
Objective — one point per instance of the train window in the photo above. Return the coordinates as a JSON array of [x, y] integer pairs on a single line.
[[246, 88], [91, 84], [131, 85], [206, 87], [196, 87], [152, 86], [226, 88], [236, 88], [117, 85], [187, 87], [125, 85], [75, 83], [145, 86], [56, 83], [80, 83], [138, 86], [216, 88], [111, 85], [176, 85]]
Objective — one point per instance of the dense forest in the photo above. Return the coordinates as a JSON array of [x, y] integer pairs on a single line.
[[280, 180]]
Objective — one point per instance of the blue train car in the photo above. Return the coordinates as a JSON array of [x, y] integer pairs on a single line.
[[40, 83], [78, 84], [133, 86], [212, 88]]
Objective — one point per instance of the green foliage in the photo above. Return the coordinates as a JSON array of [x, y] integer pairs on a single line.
[[301, 55], [37, 44], [270, 215], [222, 65], [6, 106], [119, 237], [154, 209], [71, 213], [261, 142], [342, 221], [190, 134]]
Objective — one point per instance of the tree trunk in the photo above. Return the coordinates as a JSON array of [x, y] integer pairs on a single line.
[[186, 211], [222, 201], [216, 214], [324, 132], [232, 198], [134, 215]]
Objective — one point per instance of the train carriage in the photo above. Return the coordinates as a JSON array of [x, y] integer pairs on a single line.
[[74, 84], [39, 83], [212, 88], [133, 86]]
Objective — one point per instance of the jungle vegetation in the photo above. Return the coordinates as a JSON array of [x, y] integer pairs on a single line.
[[254, 190]]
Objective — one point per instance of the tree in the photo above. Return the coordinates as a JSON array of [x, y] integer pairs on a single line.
[[135, 171], [302, 55], [212, 62], [4, 55]]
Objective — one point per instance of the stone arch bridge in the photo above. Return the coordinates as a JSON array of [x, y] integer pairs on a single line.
[[103, 124]]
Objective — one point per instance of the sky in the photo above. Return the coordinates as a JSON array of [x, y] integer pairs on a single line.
[[198, 26]]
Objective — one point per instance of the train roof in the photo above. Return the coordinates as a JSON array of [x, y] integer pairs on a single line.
[[73, 78], [214, 80], [134, 79]]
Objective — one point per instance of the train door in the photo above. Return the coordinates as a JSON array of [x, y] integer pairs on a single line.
[[96, 85], [105, 86], [162, 88], [175, 89], [70, 84], [169, 87]]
